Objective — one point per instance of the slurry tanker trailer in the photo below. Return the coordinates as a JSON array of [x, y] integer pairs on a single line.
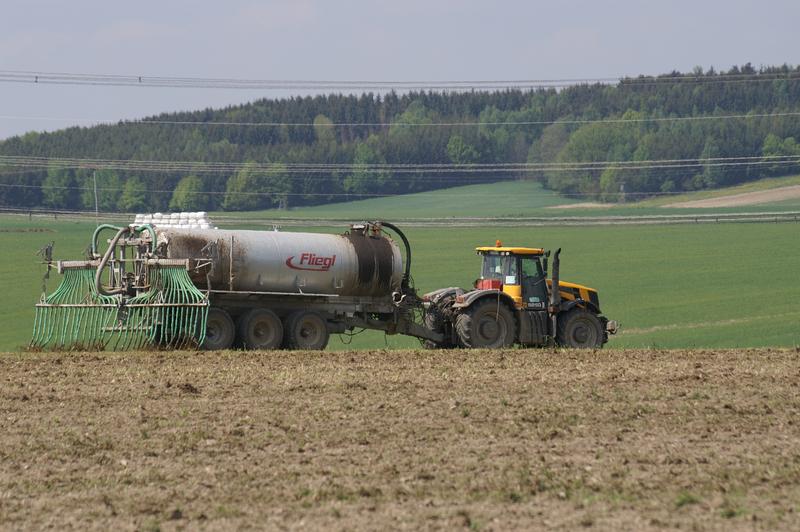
[[163, 283]]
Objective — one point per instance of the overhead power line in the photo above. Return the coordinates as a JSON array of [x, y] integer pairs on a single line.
[[544, 193], [147, 121], [208, 192], [122, 80], [307, 169], [263, 218]]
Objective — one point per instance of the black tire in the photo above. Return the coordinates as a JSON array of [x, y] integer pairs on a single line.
[[435, 321], [488, 323], [579, 328], [260, 328], [220, 331], [307, 331]]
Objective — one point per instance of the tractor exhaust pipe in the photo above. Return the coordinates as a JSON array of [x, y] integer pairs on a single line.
[[555, 297]]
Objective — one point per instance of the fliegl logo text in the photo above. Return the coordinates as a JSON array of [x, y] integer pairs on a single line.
[[311, 262]]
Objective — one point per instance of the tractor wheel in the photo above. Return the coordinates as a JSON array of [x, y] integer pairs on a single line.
[[260, 329], [220, 331], [579, 328], [488, 323], [307, 331]]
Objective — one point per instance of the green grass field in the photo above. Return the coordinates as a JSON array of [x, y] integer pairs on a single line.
[[518, 198], [706, 285], [508, 198]]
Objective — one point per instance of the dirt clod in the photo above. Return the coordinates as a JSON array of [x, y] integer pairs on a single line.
[[189, 388]]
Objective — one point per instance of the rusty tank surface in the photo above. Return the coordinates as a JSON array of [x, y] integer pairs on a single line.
[[361, 262]]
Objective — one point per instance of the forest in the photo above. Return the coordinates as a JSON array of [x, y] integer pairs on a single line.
[[282, 153]]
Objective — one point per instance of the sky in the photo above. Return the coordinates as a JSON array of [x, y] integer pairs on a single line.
[[358, 40]]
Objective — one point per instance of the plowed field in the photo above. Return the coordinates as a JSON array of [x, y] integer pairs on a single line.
[[401, 439]]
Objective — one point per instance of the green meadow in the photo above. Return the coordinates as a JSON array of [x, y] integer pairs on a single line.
[[506, 198], [520, 198], [670, 286]]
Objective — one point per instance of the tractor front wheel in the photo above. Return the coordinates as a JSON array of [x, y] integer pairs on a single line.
[[579, 328], [488, 324]]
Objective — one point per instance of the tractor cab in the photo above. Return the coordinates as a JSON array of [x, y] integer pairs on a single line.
[[521, 273]]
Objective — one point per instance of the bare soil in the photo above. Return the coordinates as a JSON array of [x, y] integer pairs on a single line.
[[745, 198], [482, 440]]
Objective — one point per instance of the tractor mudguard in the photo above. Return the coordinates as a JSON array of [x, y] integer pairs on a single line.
[[438, 295], [466, 300], [569, 305]]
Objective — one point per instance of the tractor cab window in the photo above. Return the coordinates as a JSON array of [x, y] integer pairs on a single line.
[[502, 267], [532, 267], [534, 286]]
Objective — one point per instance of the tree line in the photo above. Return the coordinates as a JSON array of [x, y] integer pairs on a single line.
[[636, 119]]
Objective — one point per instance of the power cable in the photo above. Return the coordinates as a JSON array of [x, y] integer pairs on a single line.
[[147, 121], [62, 78], [432, 168], [262, 218], [544, 193]]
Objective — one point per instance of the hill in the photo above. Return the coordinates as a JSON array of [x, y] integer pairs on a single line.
[[782, 191], [718, 128]]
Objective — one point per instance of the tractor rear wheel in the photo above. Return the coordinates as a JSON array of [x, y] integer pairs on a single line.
[[488, 323], [579, 328], [260, 328], [307, 331], [220, 331]]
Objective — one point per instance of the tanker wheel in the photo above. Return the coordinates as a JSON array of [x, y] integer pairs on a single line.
[[306, 331], [488, 323], [220, 331], [579, 328], [260, 328]]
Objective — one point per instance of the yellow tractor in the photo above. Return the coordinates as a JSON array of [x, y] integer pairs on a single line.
[[513, 302]]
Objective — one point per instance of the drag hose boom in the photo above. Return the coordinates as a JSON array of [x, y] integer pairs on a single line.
[[148, 301]]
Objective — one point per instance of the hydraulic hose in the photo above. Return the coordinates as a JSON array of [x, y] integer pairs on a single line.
[[97, 232], [146, 227], [405, 283], [98, 285]]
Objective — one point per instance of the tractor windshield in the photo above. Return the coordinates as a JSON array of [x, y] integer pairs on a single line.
[[499, 267]]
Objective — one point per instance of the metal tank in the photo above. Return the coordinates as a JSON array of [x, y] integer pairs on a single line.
[[362, 262]]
